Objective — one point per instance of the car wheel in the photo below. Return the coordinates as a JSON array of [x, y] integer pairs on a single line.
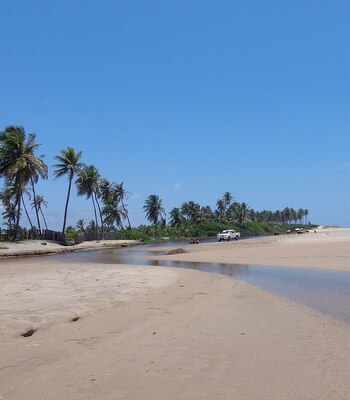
[[236, 238], [219, 240], [228, 238]]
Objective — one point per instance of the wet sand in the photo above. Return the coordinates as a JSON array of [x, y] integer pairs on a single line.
[[126, 332]]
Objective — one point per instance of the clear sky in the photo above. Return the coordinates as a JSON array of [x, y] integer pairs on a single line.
[[186, 99]]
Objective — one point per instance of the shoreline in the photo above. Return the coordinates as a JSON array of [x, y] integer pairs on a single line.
[[29, 248], [328, 249]]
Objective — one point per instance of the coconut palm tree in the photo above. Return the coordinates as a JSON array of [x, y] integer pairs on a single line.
[[227, 199], [121, 194], [106, 189], [113, 214], [8, 198], [242, 212], [91, 226], [27, 192], [191, 211], [176, 218], [37, 203], [87, 185], [80, 225], [19, 164], [153, 208], [68, 165], [220, 208]]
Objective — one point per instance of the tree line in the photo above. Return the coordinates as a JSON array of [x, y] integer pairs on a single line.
[[227, 211], [21, 169]]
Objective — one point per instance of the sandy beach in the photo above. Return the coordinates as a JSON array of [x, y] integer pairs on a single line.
[[46, 247], [101, 331]]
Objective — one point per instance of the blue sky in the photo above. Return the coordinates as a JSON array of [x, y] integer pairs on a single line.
[[186, 99]]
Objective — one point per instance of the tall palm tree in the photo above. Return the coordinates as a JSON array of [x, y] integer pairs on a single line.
[[18, 163], [37, 203], [153, 208], [106, 189], [122, 193], [27, 192], [87, 185], [68, 165]]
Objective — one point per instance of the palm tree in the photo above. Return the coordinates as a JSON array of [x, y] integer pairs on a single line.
[[91, 226], [7, 197], [106, 189], [37, 203], [122, 193], [176, 218], [80, 225], [242, 212], [220, 208], [113, 214], [87, 185], [154, 210], [19, 164], [227, 199], [27, 192], [9, 214], [68, 164], [191, 211]]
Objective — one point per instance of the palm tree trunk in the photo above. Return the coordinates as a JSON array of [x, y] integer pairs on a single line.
[[25, 209], [19, 196], [101, 218], [126, 213], [93, 202], [66, 208], [42, 214], [36, 206]]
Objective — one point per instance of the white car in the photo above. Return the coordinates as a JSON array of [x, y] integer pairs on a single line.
[[228, 235]]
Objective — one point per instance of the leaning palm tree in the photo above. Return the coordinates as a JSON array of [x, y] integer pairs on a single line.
[[19, 164], [154, 210], [37, 203], [68, 164]]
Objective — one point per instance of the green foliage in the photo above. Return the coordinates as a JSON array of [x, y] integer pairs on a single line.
[[70, 234]]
